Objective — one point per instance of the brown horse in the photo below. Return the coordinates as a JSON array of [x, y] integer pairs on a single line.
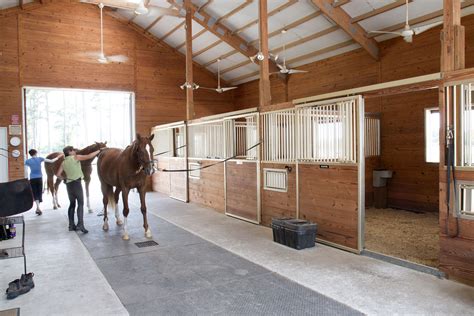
[[126, 169], [86, 166]]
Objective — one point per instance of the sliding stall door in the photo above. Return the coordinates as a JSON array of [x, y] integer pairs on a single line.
[[179, 161], [331, 170], [242, 175], [4, 155]]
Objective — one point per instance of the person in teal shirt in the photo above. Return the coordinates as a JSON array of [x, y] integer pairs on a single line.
[[36, 176], [72, 168]]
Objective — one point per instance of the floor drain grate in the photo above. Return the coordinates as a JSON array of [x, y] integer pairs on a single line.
[[144, 244]]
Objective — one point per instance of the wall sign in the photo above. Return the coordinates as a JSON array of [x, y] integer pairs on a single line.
[[14, 129], [15, 119]]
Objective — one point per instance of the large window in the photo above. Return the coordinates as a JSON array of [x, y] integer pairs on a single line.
[[59, 117], [467, 124], [432, 135]]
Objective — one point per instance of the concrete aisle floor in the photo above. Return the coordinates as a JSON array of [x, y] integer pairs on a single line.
[[365, 284], [67, 280], [186, 275]]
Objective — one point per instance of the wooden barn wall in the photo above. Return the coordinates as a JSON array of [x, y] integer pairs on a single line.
[[329, 197], [415, 183], [208, 190], [278, 204], [398, 60], [43, 48]]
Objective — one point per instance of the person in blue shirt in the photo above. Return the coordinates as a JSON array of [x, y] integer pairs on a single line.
[[36, 176]]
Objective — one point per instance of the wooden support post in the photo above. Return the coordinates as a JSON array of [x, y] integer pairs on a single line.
[[452, 37], [265, 93], [189, 61]]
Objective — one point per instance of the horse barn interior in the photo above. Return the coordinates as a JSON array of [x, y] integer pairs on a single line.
[[355, 115]]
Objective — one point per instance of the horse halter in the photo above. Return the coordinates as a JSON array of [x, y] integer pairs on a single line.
[[148, 167]]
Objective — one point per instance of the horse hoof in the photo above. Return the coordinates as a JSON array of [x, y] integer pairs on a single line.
[[119, 223], [59, 206], [105, 228], [91, 211], [55, 207], [148, 235], [125, 237]]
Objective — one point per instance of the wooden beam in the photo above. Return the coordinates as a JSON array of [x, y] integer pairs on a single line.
[[239, 8], [265, 93], [452, 37], [21, 4], [189, 60], [341, 18], [224, 33], [380, 10], [271, 13]]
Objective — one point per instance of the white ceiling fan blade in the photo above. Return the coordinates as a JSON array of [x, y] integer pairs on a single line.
[[383, 32], [166, 11], [424, 28], [295, 71], [117, 58], [281, 67], [228, 88]]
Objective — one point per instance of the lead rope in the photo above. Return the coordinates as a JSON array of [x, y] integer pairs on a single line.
[[451, 167], [211, 165]]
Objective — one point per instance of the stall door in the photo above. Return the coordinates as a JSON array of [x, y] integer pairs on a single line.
[[179, 180], [330, 169], [242, 174]]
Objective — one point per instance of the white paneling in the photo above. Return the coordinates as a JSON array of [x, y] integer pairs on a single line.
[[358, 7], [215, 52], [204, 41], [247, 69], [220, 8], [228, 62], [8, 3], [128, 14], [160, 3], [326, 55]]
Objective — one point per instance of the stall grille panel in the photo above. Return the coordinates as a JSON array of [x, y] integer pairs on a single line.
[[206, 140], [466, 200], [372, 136], [467, 122], [241, 134], [327, 133], [275, 179], [279, 136], [162, 142]]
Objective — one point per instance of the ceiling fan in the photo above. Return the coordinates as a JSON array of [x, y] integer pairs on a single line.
[[100, 56], [283, 68], [139, 7], [409, 31], [219, 89]]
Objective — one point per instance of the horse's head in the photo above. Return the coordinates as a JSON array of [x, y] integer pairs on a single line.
[[143, 149], [100, 145]]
